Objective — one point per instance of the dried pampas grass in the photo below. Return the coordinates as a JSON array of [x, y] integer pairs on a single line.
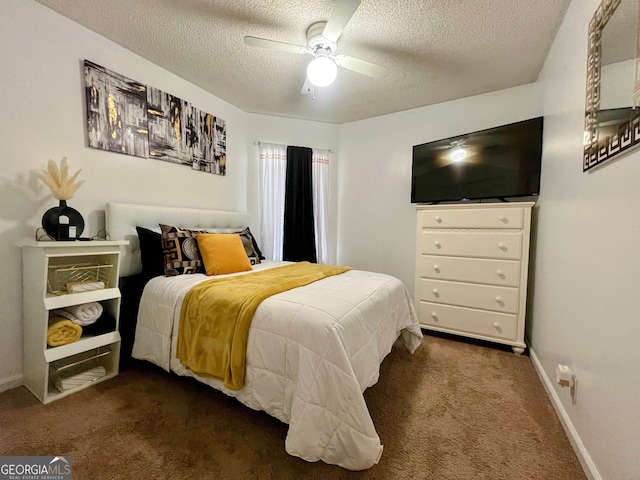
[[57, 179]]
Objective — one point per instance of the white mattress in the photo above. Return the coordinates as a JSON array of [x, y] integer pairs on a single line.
[[312, 351]]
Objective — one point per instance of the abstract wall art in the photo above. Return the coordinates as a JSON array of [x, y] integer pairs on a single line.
[[127, 117], [116, 112], [181, 133], [171, 134]]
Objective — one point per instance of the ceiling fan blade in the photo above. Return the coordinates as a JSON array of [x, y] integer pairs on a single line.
[[273, 45], [307, 88], [361, 66], [340, 16]]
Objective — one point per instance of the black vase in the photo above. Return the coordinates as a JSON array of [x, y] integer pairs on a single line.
[[62, 222]]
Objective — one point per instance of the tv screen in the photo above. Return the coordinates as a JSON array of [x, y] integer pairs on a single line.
[[496, 163]]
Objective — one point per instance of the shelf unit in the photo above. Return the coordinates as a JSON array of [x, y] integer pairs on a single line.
[[44, 365]]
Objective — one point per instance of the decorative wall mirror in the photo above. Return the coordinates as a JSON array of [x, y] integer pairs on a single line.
[[612, 116]]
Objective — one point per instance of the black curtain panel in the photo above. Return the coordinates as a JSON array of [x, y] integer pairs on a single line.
[[299, 242]]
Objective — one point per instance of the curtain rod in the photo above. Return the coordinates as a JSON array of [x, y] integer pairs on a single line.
[[258, 143]]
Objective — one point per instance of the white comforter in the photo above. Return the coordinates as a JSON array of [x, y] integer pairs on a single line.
[[312, 351]]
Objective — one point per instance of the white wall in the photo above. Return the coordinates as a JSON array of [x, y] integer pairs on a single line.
[[42, 96], [587, 281], [376, 221]]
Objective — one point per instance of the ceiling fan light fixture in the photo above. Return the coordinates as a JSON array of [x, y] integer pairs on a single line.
[[322, 71]]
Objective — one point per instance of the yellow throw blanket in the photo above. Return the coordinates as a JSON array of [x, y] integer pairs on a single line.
[[216, 316], [62, 331]]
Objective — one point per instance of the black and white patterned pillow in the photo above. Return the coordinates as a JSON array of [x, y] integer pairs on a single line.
[[250, 246], [180, 249]]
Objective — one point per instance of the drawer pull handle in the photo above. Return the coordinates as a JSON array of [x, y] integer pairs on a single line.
[[502, 219], [438, 219], [437, 244], [499, 299], [435, 292], [436, 268], [496, 325], [501, 246], [500, 273], [434, 314]]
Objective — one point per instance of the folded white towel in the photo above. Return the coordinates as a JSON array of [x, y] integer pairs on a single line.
[[64, 383], [83, 314], [84, 287]]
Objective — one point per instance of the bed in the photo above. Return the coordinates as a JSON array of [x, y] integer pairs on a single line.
[[311, 351]]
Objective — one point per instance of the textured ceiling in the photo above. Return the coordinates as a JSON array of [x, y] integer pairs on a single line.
[[436, 50]]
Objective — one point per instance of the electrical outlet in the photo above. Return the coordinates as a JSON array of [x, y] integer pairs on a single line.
[[564, 376]]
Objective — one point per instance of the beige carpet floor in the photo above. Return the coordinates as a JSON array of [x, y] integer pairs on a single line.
[[451, 411]]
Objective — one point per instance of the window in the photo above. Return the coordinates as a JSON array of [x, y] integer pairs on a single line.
[[272, 167]]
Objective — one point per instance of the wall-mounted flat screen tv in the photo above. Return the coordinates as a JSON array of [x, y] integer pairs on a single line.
[[497, 163]]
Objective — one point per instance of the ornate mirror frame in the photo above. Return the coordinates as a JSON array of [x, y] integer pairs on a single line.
[[622, 134]]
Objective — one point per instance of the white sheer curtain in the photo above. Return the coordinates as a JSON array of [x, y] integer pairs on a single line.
[[273, 174], [320, 173], [273, 169]]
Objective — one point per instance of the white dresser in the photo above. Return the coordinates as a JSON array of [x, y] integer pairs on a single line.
[[471, 270]]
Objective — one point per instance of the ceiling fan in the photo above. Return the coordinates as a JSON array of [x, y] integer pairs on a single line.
[[322, 39]]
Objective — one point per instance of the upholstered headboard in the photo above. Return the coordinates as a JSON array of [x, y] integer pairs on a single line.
[[121, 220]]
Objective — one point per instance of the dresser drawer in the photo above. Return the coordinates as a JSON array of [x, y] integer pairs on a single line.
[[467, 320], [472, 244], [478, 270], [488, 297], [472, 218]]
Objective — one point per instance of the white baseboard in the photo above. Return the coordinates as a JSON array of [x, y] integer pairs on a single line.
[[10, 382], [581, 452]]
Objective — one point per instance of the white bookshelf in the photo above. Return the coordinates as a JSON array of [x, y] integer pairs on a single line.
[[42, 262]]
